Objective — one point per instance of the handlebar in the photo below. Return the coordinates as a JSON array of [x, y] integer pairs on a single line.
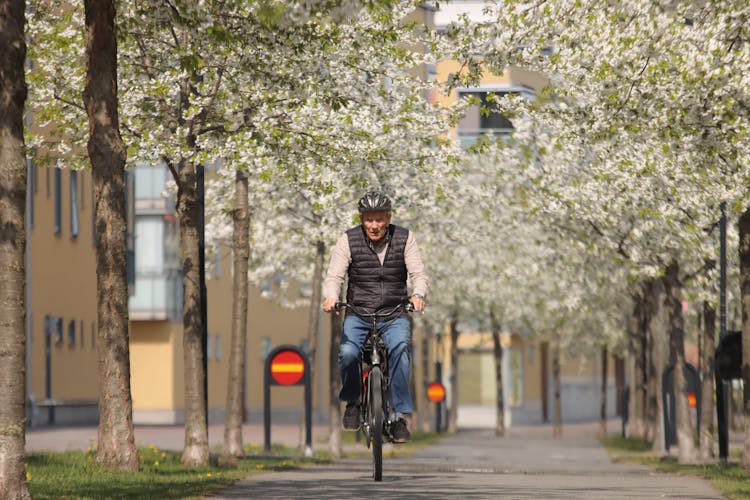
[[406, 306]]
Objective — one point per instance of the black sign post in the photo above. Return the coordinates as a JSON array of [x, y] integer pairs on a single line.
[[436, 394], [692, 381], [287, 365], [727, 367], [439, 404], [625, 405]]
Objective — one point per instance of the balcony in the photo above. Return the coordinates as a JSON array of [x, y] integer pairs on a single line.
[[158, 295], [469, 137]]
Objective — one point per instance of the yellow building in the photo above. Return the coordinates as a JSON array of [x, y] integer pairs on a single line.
[[527, 381], [61, 296], [61, 310], [156, 324]]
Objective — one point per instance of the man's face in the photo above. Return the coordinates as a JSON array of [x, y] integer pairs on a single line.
[[376, 224]]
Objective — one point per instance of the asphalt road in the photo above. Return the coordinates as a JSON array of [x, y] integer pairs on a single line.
[[476, 464]]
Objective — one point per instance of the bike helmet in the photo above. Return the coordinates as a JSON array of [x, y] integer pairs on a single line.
[[374, 201]]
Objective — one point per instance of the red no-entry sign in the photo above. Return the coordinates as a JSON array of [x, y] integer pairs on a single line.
[[436, 392], [287, 367]]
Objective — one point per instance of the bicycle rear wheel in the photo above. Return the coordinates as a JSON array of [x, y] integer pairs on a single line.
[[375, 403]]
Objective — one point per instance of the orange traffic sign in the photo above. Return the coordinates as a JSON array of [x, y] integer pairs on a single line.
[[287, 367], [435, 392]]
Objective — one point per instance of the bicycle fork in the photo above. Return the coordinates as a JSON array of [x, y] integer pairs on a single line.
[[376, 360]]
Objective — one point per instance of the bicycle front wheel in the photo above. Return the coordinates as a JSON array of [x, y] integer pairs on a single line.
[[375, 411]]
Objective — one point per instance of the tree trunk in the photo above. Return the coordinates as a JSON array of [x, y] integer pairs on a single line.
[[657, 322], [652, 376], [705, 433], [544, 379], [417, 382], [116, 449], [196, 422], [335, 385], [233, 445], [673, 286], [557, 390], [315, 301], [637, 386], [603, 398], [619, 385], [12, 251], [426, 362], [453, 379], [498, 354], [744, 250], [313, 322]]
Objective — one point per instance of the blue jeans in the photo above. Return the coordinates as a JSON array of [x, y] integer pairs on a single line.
[[396, 335]]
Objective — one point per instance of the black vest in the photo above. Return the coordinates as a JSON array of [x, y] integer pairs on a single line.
[[373, 286]]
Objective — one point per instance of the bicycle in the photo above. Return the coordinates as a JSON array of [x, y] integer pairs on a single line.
[[375, 388]]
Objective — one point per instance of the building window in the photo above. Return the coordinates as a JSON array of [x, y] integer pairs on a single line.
[[217, 350], [149, 244], [81, 334], [482, 117], [58, 200], [74, 222], [515, 365], [130, 232], [59, 331], [217, 264], [31, 189], [93, 214], [72, 333], [265, 347], [266, 289], [150, 181], [81, 180]]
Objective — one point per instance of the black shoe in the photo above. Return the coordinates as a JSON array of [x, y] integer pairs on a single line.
[[352, 417], [400, 432]]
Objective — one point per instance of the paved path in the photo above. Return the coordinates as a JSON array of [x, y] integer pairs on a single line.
[[476, 464]]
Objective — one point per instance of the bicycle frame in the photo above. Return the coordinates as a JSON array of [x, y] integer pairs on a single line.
[[377, 358], [375, 385]]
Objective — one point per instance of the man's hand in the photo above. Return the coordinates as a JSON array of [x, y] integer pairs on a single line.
[[329, 305], [418, 303]]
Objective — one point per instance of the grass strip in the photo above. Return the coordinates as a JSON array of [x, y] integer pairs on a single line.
[[76, 475]]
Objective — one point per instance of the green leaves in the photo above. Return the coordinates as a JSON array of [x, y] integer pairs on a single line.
[[622, 158], [270, 12], [221, 34], [190, 62]]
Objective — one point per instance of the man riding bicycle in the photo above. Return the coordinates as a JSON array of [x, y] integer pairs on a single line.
[[378, 257]]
